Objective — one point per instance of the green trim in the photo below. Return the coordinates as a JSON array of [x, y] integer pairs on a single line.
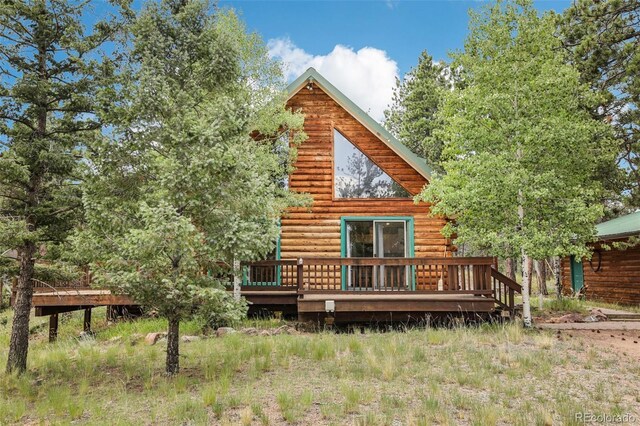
[[410, 239], [311, 75], [278, 257], [278, 282], [577, 274]]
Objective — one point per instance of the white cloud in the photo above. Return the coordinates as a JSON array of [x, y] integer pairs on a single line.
[[366, 76], [391, 4]]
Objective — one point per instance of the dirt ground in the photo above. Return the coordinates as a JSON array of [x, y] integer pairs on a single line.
[[621, 336]]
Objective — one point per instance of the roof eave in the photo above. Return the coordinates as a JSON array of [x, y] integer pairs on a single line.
[[610, 237]]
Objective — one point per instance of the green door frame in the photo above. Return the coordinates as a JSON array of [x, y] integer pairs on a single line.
[[577, 274], [410, 237]]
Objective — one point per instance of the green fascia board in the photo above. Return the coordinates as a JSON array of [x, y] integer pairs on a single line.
[[623, 226], [311, 75]]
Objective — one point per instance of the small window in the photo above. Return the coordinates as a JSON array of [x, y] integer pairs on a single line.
[[356, 176]]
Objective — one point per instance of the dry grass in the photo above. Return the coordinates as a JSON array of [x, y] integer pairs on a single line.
[[477, 376]]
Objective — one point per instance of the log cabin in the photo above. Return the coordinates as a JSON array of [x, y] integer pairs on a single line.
[[613, 272], [364, 250]]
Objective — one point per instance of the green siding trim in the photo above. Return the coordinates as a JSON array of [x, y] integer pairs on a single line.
[[577, 274], [410, 239], [278, 257], [311, 75], [278, 282]]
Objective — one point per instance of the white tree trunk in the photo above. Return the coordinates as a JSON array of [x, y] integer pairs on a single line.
[[237, 279], [557, 272], [526, 285]]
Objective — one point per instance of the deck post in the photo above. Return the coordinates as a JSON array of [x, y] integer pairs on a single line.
[[53, 328], [299, 273], [487, 277], [87, 320], [112, 313], [452, 277]]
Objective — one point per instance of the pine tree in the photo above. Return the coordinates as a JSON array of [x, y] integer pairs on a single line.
[[412, 114], [53, 76], [181, 190], [521, 150], [603, 41]]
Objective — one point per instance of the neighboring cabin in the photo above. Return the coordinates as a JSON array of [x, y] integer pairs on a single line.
[[613, 274]]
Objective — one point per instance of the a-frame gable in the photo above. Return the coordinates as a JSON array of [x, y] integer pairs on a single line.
[[314, 166], [311, 78]]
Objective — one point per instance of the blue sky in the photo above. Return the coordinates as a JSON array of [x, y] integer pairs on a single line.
[[401, 28], [361, 46]]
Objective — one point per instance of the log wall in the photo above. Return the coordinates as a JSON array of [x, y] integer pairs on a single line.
[[315, 231], [617, 280]]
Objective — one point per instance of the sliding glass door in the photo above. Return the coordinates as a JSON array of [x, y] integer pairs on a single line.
[[376, 239], [391, 237]]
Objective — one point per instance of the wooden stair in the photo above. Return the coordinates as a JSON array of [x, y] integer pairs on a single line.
[[623, 316]]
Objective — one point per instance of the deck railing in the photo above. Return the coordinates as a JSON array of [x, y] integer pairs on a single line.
[[435, 275], [39, 286], [270, 273], [505, 290]]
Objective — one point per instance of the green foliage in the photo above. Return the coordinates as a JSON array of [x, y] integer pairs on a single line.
[[5, 289], [54, 75], [180, 190], [521, 150], [629, 243], [45, 272], [413, 113], [219, 309], [603, 41], [46, 115]]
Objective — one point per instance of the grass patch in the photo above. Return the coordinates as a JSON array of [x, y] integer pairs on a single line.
[[565, 305], [491, 374], [293, 406]]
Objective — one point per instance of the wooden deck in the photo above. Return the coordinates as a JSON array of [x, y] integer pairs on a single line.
[[363, 289], [51, 299], [73, 299], [340, 289]]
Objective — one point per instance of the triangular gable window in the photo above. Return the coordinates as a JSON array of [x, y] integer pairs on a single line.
[[356, 176]]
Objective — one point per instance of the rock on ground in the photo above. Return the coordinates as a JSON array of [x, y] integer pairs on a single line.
[[283, 329], [152, 338], [221, 331]]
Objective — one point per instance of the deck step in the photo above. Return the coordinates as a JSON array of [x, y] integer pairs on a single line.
[[624, 317]]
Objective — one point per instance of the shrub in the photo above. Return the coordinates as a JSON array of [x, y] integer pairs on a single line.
[[5, 293], [222, 310]]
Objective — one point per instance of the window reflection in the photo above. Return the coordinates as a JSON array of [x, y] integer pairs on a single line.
[[356, 176]]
